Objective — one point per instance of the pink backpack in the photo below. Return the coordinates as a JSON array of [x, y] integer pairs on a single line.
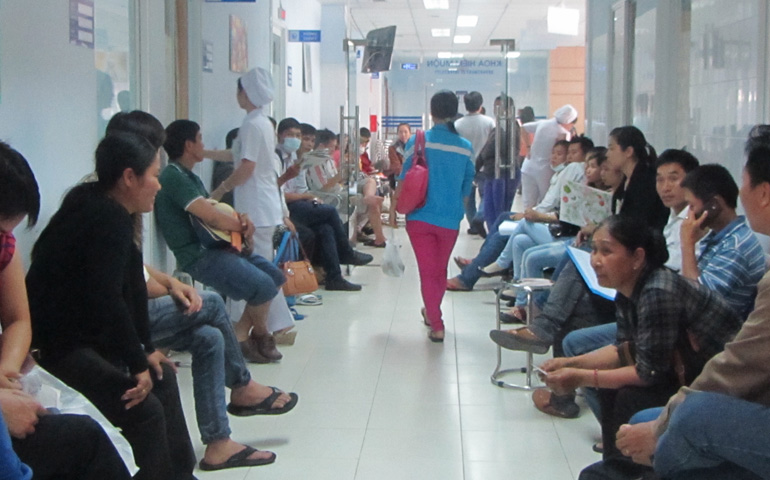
[[414, 191]]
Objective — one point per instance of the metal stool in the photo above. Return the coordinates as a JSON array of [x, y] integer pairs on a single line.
[[529, 288]]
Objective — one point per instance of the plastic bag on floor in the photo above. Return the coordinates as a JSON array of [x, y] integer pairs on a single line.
[[391, 259]]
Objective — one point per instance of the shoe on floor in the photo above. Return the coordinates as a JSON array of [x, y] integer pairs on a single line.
[[373, 243], [455, 285], [358, 259], [436, 336], [266, 347], [517, 314], [562, 406], [285, 338], [509, 319], [521, 339], [341, 285], [251, 353]]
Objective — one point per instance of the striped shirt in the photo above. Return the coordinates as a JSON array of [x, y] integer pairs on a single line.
[[731, 263], [450, 175]]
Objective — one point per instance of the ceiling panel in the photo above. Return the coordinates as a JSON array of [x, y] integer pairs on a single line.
[[522, 20]]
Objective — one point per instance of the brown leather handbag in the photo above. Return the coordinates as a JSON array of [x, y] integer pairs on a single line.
[[299, 273]]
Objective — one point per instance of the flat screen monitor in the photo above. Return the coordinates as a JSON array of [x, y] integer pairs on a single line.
[[378, 50]]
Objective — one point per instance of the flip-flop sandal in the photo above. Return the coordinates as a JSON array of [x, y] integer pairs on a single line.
[[425, 317], [310, 300], [240, 459], [264, 407]]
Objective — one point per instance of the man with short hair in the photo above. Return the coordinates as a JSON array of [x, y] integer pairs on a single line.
[[475, 127], [730, 260], [249, 277], [307, 209]]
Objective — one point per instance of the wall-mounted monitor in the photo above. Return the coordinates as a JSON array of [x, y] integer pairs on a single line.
[[378, 50]]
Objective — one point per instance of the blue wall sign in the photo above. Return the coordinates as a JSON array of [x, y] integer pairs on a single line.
[[409, 66], [306, 36]]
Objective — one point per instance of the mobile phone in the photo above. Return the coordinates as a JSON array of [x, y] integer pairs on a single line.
[[712, 207]]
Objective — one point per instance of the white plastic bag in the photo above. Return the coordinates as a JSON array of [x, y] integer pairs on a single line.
[[53, 393], [391, 259]]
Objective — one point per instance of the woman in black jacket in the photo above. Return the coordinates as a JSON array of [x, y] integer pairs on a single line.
[[88, 303]]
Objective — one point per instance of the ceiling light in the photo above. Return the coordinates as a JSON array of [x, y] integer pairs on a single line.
[[513, 54], [467, 20], [449, 55], [436, 4], [462, 39], [563, 21], [439, 32]]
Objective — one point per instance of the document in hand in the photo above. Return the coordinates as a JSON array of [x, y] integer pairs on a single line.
[[581, 204], [582, 261]]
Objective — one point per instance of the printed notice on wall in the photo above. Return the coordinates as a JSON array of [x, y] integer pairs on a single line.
[[82, 23]]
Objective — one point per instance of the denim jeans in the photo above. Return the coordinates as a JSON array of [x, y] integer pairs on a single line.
[[570, 306], [252, 278], [331, 238], [470, 206], [498, 198], [217, 361], [715, 436], [537, 259], [587, 340], [526, 235], [490, 249]]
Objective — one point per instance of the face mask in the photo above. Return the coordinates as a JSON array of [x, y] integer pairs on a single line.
[[559, 168], [291, 144]]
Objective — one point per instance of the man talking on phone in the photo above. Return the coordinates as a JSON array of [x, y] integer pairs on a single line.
[[730, 260]]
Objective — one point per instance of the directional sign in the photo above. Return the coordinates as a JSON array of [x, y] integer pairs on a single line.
[[305, 36]]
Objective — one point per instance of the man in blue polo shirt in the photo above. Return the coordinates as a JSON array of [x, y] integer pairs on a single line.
[[730, 260]]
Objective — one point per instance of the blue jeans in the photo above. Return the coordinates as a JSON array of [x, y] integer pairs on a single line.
[[570, 306], [217, 361], [526, 235], [498, 198], [715, 436], [538, 258], [490, 249], [251, 278], [587, 340]]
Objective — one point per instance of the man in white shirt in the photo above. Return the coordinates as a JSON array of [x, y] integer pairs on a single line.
[[474, 126]]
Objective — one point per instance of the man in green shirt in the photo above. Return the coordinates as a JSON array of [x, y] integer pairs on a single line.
[[246, 277]]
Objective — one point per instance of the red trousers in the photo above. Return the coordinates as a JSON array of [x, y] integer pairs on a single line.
[[432, 246]]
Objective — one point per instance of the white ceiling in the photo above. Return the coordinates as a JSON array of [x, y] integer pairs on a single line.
[[523, 20]]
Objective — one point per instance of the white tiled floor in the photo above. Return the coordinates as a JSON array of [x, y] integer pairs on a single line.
[[378, 400]]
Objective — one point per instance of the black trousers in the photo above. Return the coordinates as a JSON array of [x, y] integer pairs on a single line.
[[618, 406], [155, 428], [70, 447], [331, 239]]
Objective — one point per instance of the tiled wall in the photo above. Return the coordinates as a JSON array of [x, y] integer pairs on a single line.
[[567, 80]]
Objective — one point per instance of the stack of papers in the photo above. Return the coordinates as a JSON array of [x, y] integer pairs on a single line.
[[582, 261]]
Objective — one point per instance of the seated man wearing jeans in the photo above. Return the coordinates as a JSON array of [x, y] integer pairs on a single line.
[[184, 320], [247, 277]]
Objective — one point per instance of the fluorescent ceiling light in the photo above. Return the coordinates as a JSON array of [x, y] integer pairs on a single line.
[[439, 32], [467, 20], [513, 54], [462, 39], [450, 55], [436, 4], [563, 21]]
